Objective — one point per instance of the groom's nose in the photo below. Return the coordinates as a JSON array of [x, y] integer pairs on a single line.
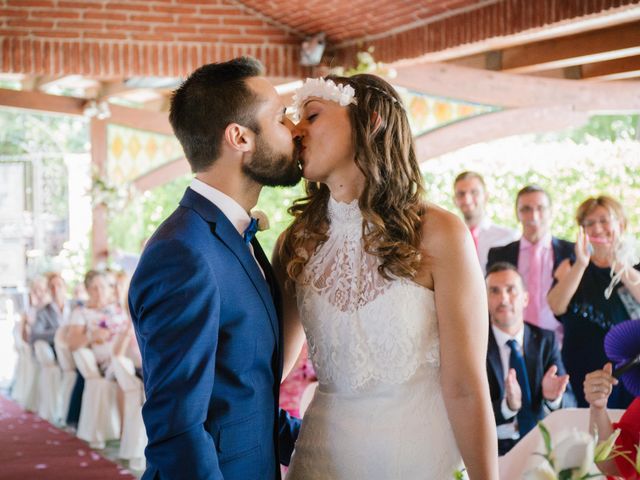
[[289, 124]]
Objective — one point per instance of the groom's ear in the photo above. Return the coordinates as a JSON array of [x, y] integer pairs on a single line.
[[239, 138]]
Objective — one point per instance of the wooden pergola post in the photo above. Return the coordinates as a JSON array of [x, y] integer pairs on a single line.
[[99, 239]]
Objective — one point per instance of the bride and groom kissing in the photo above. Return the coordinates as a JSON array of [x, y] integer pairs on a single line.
[[384, 286]]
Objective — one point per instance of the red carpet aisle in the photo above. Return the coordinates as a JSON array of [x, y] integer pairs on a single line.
[[31, 448]]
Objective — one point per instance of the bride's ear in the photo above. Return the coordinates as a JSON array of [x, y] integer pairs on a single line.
[[376, 121], [239, 138]]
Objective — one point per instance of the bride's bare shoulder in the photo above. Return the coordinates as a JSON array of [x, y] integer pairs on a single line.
[[441, 230]]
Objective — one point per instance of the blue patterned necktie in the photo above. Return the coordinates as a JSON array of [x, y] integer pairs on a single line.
[[526, 419], [250, 231]]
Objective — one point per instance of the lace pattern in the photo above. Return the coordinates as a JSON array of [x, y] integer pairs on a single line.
[[363, 330]]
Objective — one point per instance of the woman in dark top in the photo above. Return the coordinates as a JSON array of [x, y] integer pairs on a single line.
[[578, 296]]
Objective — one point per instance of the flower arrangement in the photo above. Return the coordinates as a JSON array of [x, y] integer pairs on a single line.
[[575, 456], [103, 192]]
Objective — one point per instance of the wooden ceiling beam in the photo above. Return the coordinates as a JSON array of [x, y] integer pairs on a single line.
[[508, 90], [595, 46], [618, 69], [42, 102], [491, 126]]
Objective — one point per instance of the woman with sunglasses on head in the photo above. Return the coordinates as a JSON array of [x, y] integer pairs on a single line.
[[585, 297]]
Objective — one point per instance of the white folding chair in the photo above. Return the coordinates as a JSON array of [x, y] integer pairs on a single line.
[[99, 417], [19, 384], [521, 457], [69, 375], [49, 398], [134, 437], [26, 383]]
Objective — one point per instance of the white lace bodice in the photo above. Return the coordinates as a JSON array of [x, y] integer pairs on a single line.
[[363, 331]]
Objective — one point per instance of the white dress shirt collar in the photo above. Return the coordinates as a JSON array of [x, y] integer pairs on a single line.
[[231, 209], [545, 242], [502, 338]]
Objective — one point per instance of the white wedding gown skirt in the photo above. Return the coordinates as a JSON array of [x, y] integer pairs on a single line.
[[378, 412], [402, 433]]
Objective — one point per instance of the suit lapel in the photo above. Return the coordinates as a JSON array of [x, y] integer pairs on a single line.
[[515, 253], [273, 289], [493, 355], [531, 355], [222, 228]]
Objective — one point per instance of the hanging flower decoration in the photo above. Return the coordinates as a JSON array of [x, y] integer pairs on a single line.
[[113, 197]]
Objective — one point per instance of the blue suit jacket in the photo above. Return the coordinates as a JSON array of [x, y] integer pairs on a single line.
[[210, 338], [540, 352], [509, 253]]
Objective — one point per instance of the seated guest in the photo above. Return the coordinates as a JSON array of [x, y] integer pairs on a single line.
[[98, 322], [587, 300], [526, 376], [38, 298], [470, 196], [624, 341], [537, 255], [53, 314]]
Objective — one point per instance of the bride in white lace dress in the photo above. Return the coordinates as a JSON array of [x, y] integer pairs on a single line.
[[390, 296]]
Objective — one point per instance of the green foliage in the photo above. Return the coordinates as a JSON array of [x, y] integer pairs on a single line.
[[569, 171], [136, 222], [275, 202], [601, 127]]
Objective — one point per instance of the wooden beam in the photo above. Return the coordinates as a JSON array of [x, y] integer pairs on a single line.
[[618, 69], [41, 101], [491, 126], [163, 174], [509, 90], [607, 18], [595, 46], [99, 238], [157, 122]]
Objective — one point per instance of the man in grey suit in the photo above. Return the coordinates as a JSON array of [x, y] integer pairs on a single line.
[[53, 314]]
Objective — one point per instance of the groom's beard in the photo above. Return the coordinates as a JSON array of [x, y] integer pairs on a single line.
[[270, 168]]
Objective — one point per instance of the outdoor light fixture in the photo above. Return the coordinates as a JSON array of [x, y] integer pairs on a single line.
[[312, 50]]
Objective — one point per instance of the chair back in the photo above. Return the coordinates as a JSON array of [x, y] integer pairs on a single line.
[[65, 359], [124, 371], [86, 362], [44, 353]]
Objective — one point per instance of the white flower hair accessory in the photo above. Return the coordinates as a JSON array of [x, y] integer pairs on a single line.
[[319, 87]]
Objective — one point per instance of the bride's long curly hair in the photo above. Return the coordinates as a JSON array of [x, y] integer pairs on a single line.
[[392, 201]]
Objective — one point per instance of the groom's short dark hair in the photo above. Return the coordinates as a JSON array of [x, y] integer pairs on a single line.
[[213, 96]]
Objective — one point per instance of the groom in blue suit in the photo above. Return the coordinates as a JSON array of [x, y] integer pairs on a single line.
[[203, 299]]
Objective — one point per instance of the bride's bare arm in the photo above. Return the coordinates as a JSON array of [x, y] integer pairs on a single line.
[[293, 332], [451, 267]]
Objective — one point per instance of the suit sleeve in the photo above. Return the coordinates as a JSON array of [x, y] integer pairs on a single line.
[[42, 328], [288, 429], [175, 307]]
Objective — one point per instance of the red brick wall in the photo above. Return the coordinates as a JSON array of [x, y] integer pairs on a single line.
[[137, 37]]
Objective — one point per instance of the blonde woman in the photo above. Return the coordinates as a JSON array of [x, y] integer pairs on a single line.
[[578, 298]]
